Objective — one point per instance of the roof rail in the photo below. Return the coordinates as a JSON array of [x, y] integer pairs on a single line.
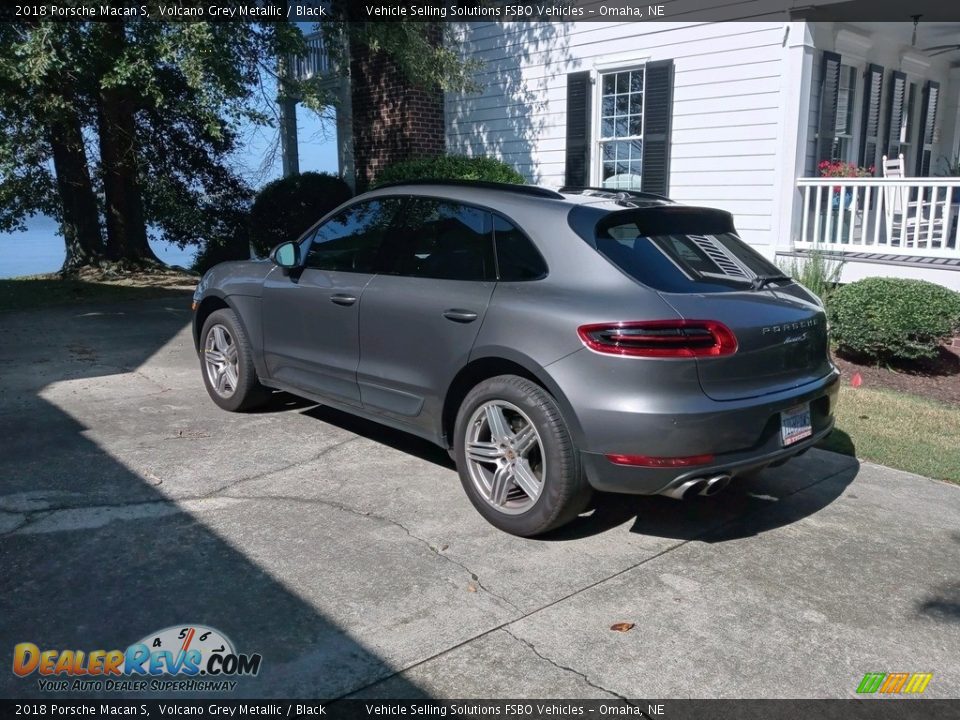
[[614, 192], [534, 190]]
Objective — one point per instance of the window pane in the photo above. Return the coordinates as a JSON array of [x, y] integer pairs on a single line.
[[606, 127], [636, 81], [517, 258], [636, 103], [608, 106], [623, 82], [623, 104], [620, 126], [609, 84], [350, 241], [443, 240], [636, 125]]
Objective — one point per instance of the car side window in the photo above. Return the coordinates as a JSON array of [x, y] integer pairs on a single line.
[[350, 241], [441, 239], [517, 258]]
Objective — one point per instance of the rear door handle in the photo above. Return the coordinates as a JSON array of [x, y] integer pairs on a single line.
[[460, 316], [343, 299]]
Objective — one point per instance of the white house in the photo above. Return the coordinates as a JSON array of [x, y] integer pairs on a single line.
[[738, 115]]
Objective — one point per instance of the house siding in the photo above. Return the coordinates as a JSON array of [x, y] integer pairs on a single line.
[[728, 105]]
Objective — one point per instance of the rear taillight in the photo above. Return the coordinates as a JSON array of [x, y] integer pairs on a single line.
[[660, 338], [660, 462]]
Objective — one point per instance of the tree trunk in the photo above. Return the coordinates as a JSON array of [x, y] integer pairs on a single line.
[[116, 125], [80, 222]]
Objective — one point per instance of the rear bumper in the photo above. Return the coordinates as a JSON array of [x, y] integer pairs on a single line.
[[742, 435], [607, 477]]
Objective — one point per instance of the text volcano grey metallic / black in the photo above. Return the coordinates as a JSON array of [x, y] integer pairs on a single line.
[[555, 342]]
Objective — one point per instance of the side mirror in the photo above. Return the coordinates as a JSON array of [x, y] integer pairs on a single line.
[[286, 255]]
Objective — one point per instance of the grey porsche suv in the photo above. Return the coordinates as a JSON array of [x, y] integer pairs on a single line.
[[554, 342]]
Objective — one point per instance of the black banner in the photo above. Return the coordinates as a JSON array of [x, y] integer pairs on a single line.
[[477, 10], [852, 709]]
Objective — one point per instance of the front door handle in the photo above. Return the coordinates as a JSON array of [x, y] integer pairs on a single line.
[[343, 299], [460, 316]]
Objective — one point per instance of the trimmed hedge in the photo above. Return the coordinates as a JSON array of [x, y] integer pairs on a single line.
[[450, 167], [285, 208], [892, 318]]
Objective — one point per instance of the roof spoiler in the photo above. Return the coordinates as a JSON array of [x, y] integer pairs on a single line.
[[670, 220]]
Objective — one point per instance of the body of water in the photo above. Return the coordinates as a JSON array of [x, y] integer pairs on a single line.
[[40, 250]]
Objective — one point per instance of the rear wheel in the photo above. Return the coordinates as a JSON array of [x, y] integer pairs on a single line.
[[516, 459], [227, 363]]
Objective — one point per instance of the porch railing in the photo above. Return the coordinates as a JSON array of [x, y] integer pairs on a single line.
[[315, 60], [902, 216]]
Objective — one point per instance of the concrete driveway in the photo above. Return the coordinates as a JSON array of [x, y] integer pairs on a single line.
[[348, 556]]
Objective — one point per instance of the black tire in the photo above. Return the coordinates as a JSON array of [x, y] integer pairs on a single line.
[[248, 393], [564, 491]]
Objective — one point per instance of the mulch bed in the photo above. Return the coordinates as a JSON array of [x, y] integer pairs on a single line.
[[937, 379]]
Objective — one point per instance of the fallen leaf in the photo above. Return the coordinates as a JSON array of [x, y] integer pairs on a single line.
[[443, 547], [856, 380], [622, 627], [471, 587]]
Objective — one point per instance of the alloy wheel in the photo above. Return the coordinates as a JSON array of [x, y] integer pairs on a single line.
[[221, 360], [505, 458]]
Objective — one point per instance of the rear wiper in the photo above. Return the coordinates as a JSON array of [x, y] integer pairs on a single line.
[[761, 281]]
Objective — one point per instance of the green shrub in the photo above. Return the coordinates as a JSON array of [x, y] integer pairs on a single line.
[[817, 272], [449, 167], [285, 208], [893, 319]]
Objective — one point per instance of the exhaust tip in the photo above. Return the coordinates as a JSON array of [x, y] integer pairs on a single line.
[[690, 487], [715, 484]]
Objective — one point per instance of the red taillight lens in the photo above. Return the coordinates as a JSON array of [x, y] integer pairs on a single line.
[[660, 462], [660, 338]]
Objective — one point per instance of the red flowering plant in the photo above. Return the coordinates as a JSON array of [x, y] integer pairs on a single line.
[[839, 168]]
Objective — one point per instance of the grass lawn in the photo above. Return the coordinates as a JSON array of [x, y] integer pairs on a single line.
[[898, 430], [24, 293]]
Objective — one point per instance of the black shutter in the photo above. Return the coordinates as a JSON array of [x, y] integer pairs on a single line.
[[870, 124], [578, 130], [928, 120], [657, 124], [829, 93], [895, 109]]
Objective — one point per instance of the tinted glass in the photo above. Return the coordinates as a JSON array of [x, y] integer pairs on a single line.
[[517, 258], [350, 241], [686, 262], [441, 239]]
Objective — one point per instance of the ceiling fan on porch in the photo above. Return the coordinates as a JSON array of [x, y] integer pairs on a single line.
[[936, 49]]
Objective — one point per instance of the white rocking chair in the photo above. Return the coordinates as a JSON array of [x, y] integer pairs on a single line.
[[909, 222]]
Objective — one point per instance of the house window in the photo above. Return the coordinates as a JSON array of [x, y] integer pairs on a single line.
[[909, 121], [843, 135], [621, 129]]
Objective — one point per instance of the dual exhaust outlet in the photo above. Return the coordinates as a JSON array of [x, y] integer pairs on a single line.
[[700, 486]]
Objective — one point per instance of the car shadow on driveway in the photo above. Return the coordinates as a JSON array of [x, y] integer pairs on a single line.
[[749, 506], [777, 497]]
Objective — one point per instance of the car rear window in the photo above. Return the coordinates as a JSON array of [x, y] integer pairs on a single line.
[[682, 256]]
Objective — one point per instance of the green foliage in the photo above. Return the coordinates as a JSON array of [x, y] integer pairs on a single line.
[[285, 208], [893, 319], [818, 272], [190, 88], [450, 167]]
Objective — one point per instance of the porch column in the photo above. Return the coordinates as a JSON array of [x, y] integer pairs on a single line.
[[795, 91]]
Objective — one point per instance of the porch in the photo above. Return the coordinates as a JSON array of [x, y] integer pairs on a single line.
[[910, 224]]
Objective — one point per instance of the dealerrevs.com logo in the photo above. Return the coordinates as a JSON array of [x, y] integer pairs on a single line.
[[185, 657]]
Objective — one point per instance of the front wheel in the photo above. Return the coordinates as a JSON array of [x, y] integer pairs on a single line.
[[516, 459], [227, 363]]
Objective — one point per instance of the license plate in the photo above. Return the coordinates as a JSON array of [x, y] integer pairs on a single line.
[[795, 424]]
